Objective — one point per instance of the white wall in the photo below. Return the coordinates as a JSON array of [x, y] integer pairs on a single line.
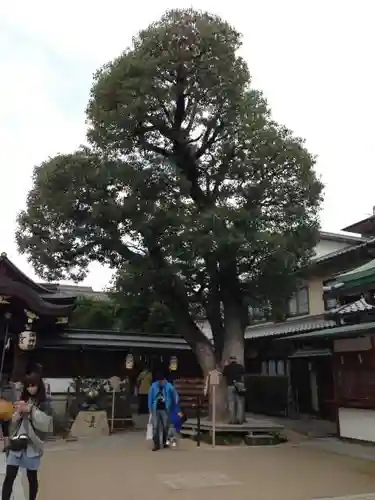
[[357, 424], [325, 247], [58, 385], [59, 405]]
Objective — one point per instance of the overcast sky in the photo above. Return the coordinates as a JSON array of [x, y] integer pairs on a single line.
[[314, 60]]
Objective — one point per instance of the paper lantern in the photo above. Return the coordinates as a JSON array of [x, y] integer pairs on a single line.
[[27, 341], [173, 364], [6, 410], [129, 361]]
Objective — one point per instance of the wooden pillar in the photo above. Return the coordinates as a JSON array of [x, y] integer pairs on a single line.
[[20, 361], [336, 395]]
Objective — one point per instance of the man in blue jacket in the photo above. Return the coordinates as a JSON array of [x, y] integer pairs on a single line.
[[161, 399]]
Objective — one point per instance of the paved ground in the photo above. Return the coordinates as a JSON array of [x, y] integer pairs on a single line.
[[304, 425], [123, 467], [362, 451]]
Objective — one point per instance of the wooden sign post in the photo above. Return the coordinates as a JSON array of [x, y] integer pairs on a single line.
[[115, 384], [214, 379]]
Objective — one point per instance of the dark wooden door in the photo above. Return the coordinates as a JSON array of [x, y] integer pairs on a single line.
[[324, 376], [301, 384]]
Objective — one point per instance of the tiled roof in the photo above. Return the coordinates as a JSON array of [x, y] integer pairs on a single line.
[[306, 324], [357, 306], [115, 339], [345, 331]]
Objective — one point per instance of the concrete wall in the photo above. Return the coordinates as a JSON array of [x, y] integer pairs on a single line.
[[357, 424], [325, 247], [59, 404], [315, 283], [316, 303]]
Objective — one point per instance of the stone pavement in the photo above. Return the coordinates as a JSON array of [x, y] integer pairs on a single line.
[[304, 425], [363, 451], [122, 466]]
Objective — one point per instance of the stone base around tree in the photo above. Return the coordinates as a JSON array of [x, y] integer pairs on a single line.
[[90, 424], [253, 432]]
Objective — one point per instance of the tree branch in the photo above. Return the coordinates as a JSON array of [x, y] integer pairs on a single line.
[[174, 295], [166, 112], [213, 306], [209, 138], [223, 170], [192, 118], [156, 149], [180, 98]]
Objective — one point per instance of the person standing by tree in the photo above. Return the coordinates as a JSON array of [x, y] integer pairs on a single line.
[[161, 400], [234, 375]]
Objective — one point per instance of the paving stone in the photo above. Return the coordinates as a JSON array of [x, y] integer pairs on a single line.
[[365, 496], [196, 480]]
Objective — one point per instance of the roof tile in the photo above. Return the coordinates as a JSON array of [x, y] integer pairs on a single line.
[[306, 324], [357, 306]]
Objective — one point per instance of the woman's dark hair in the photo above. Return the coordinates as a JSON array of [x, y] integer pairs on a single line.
[[36, 380]]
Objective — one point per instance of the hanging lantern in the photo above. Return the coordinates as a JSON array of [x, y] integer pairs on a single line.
[[27, 340], [129, 362], [4, 299], [173, 364], [31, 316], [62, 321]]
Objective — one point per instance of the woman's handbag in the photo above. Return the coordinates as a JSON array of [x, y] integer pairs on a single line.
[[149, 432], [240, 388], [19, 443]]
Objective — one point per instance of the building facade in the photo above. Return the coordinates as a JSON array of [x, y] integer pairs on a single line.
[[302, 367]]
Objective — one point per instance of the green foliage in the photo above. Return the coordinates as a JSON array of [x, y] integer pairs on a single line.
[[137, 306], [94, 313], [124, 311], [188, 183]]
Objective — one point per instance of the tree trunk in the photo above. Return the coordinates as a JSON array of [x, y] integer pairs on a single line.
[[207, 361], [200, 345], [221, 402], [234, 334], [233, 310], [175, 297]]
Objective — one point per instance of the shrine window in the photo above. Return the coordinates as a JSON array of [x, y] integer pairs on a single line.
[[299, 302]]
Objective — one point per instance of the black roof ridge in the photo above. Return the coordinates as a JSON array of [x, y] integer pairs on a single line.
[[35, 286]]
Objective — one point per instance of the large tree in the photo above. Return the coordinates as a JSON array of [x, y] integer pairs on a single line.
[[188, 181]]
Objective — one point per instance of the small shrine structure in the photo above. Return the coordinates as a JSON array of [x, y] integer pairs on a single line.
[[29, 314]]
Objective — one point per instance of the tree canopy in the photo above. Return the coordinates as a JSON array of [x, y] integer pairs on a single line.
[[138, 307], [125, 309], [94, 313], [187, 181]]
